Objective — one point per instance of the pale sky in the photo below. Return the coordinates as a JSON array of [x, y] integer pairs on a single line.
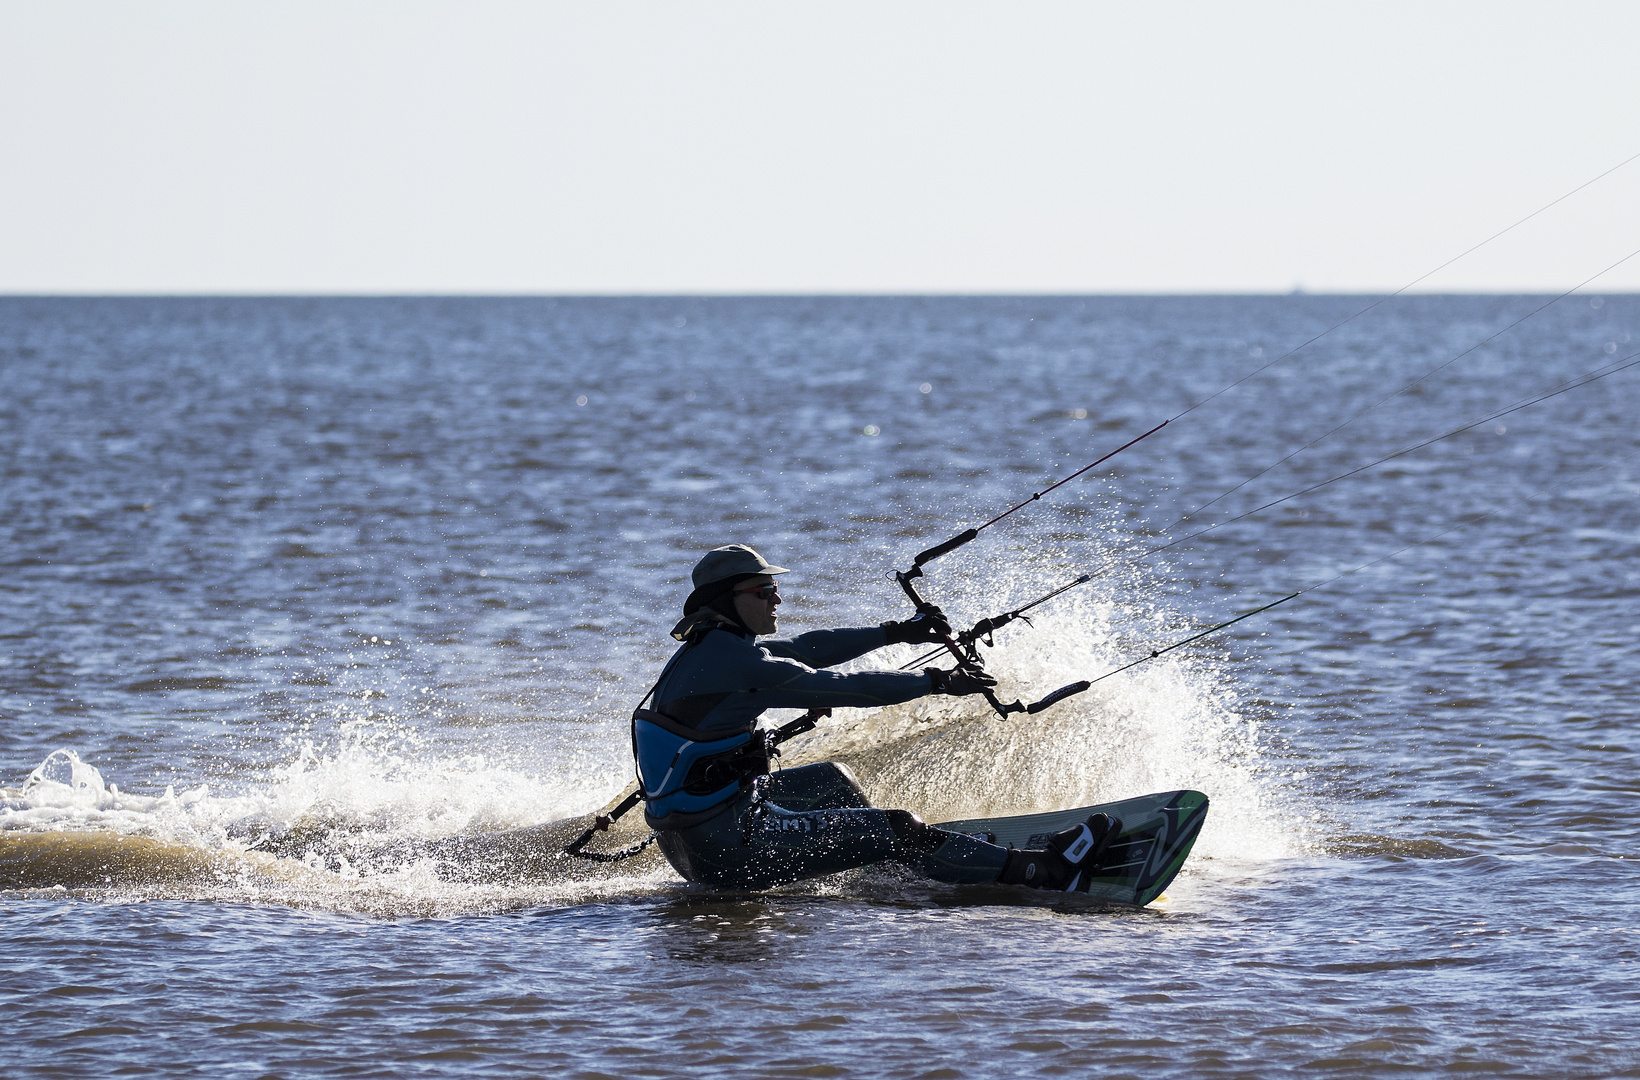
[[770, 147]]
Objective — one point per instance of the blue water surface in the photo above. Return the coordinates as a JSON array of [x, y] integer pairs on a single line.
[[291, 589]]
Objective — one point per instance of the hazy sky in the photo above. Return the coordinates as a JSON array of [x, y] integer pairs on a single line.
[[821, 147]]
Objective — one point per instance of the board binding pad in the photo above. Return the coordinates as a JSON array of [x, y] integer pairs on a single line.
[[1157, 834]]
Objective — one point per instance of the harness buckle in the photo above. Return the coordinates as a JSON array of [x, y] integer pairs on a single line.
[[759, 788]]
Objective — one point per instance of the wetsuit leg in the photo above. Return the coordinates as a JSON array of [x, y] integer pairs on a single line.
[[962, 860], [828, 785], [759, 846]]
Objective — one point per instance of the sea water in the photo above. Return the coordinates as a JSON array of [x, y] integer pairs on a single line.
[[306, 602]]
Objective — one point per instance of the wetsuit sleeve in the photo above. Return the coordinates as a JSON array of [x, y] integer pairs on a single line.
[[826, 648], [724, 683], [795, 686]]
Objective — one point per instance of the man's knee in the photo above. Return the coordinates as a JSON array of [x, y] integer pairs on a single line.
[[914, 836]]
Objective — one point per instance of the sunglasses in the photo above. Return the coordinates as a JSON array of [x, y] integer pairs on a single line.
[[762, 592]]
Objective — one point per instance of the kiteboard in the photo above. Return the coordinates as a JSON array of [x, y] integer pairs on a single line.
[[1157, 834]]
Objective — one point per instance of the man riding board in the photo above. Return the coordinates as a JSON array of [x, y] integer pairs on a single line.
[[722, 819]]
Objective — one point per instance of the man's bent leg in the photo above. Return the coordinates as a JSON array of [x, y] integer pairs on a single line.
[[761, 845], [943, 856]]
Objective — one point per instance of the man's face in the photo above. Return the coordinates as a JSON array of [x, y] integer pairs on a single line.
[[755, 601]]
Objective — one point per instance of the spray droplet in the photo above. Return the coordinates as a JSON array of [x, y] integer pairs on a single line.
[[872, 429], [925, 388], [581, 399]]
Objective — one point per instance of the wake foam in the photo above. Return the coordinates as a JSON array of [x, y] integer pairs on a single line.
[[366, 825], [374, 784]]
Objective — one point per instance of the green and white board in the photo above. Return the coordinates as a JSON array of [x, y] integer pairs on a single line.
[[1157, 834]]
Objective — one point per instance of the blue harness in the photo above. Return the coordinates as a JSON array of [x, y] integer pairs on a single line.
[[685, 779], [680, 773]]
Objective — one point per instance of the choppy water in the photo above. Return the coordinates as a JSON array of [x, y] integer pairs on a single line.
[[304, 601]]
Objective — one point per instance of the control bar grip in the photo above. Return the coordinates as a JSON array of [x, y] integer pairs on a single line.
[[1057, 696], [944, 549]]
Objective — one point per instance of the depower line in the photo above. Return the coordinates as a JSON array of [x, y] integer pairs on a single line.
[[945, 548], [1295, 350], [1578, 382], [1415, 382], [1475, 519]]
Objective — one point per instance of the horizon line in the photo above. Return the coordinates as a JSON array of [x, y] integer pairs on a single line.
[[792, 294]]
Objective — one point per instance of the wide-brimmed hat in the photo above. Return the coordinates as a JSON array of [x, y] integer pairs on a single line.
[[718, 571], [733, 560]]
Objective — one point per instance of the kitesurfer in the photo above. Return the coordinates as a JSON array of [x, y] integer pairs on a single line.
[[720, 816]]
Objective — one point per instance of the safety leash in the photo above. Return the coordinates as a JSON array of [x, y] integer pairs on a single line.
[[601, 823]]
